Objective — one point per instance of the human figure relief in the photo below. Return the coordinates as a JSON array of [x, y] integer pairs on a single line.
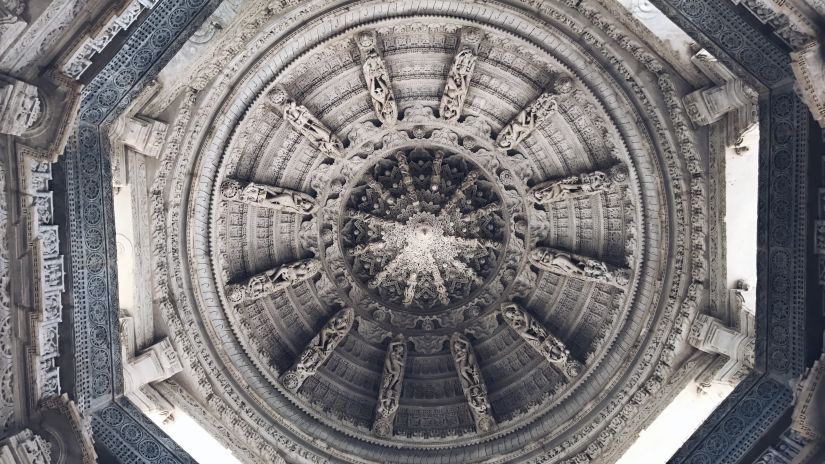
[[299, 117], [526, 121], [537, 336], [273, 280], [583, 184], [472, 383], [319, 349], [380, 91], [268, 196], [389, 392], [458, 84], [563, 263]]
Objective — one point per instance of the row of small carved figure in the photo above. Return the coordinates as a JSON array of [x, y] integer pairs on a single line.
[[381, 96], [293, 201], [320, 348]]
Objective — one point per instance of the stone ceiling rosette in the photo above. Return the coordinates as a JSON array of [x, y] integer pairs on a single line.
[[408, 231]]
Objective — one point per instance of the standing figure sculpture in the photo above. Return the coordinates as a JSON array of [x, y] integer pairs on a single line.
[[299, 117], [583, 184], [540, 339], [529, 118], [469, 375], [563, 263], [377, 78], [273, 280], [319, 349], [389, 393], [268, 196], [458, 80]]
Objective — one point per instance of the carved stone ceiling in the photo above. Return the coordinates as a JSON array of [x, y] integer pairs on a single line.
[[444, 233]]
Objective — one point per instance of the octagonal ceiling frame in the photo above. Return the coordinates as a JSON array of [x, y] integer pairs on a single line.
[[784, 260]]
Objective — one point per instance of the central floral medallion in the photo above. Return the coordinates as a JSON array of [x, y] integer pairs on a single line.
[[423, 229]]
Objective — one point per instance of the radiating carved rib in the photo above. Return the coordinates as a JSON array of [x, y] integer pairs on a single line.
[[299, 117], [438, 281], [319, 349], [389, 394], [370, 219], [458, 80], [378, 79], [379, 189], [404, 167], [435, 181], [365, 248], [587, 183], [540, 339], [469, 375], [526, 121], [563, 263], [409, 292], [459, 194], [482, 212], [267, 196], [273, 280]]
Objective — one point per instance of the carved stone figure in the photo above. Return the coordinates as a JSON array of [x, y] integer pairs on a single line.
[[273, 280], [469, 374], [389, 393], [299, 117], [377, 78], [378, 84], [583, 184], [319, 349], [267, 196], [537, 336], [559, 262], [458, 83]]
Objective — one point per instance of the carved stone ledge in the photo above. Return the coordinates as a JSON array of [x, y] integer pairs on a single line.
[[158, 362], [707, 106], [25, 448], [809, 68]]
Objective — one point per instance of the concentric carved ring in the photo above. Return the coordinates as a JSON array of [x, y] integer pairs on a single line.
[[423, 229]]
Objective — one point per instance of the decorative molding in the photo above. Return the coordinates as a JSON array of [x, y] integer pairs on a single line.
[[80, 59], [25, 447]]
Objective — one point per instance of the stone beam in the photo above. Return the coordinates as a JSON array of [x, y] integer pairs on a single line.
[[389, 394], [564, 263], [300, 118], [706, 106], [528, 119], [273, 280], [588, 183], [472, 382], [377, 78], [541, 340], [158, 362], [319, 349], [461, 72], [711, 335], [268, 196]]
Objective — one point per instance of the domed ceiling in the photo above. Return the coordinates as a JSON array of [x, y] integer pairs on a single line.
[[447, 233]]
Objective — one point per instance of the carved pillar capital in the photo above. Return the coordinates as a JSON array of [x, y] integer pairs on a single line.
[[711, 335], [706, 106], [158, 362]]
